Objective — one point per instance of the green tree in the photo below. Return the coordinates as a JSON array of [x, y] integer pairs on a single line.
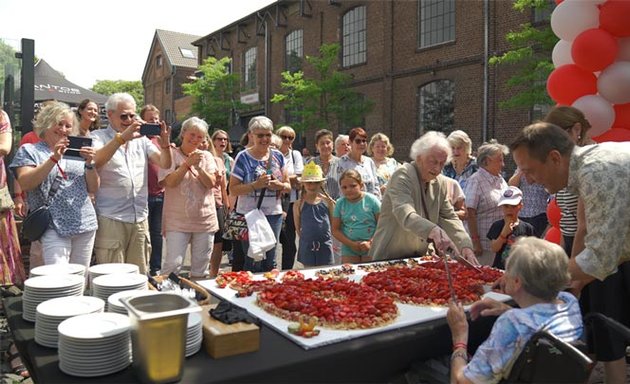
[[318, 102], [531, 54], [216, 94], [109, 87], [9, 65]]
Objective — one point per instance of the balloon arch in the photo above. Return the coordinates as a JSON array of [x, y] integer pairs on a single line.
[[592, 64], [592, 72]]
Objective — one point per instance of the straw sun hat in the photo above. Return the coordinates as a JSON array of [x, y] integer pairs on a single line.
[[312, 174]]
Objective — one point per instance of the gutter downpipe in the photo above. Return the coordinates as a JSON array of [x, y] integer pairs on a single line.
[[267, 66], [486, 27]]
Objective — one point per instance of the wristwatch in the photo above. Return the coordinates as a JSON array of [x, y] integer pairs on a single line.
[[89, 166]]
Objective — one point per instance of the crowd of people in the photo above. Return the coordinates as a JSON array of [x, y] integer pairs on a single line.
[[349, 202]]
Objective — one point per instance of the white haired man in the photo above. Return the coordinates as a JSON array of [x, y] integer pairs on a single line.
[[121, 202]]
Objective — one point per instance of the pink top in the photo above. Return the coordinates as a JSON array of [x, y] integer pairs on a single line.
[[5, 127], [220, 175], [189, 207]]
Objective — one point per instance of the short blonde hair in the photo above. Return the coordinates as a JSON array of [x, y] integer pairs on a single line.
[[380, 137], [50, 115], [284, 130], [460, 138]]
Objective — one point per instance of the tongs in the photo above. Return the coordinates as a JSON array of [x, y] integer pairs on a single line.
[[467, 263], [449, 277]]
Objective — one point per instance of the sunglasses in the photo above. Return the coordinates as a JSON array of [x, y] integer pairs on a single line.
[[287, 137], [221, 138], [126, 116], [263, 135], [360, 141]]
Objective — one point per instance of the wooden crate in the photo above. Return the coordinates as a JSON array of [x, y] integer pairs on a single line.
[[221, 340]]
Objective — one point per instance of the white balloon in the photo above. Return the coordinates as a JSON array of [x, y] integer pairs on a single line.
[[598, 111], [613, 83], [570, 18], [624, 49], [561, 54]]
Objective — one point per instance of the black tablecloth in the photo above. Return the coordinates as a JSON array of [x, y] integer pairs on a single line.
[[374, 358]]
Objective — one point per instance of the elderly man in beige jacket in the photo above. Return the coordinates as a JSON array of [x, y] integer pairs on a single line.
[[415, 208]]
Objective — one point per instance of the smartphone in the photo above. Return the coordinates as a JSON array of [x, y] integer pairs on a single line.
[[74, 145], [150, 129]]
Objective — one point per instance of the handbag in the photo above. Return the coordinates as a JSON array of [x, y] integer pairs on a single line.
[[261, 236], [6, 202], [235, 223], [38, 221]]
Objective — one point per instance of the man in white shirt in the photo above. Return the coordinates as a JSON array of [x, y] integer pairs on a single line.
[[121, 202]]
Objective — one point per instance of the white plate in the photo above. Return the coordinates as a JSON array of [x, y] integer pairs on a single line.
[[119, 279], [94, 326], [58, 269], [70, 306], [52, 282], [108, 268]]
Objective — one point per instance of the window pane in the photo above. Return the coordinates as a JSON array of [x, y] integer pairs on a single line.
[[294, 53], [354, 49], [249, 69], [437, 21], [436, 106]]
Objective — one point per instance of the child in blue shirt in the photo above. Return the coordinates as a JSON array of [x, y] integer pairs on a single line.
[[354, 219]]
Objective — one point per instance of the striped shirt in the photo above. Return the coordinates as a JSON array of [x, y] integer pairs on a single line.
[[568, 204]]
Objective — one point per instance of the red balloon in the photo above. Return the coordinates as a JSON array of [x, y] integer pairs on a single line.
[[613, 134], [594, 49], [613, 17], [553, 235], [554, 213], [622, 116], [569, 82]]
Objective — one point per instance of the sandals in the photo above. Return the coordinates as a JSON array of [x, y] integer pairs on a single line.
[[14, 360]]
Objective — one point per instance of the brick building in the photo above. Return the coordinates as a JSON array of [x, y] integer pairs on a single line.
[[172, 59], [423, 62]]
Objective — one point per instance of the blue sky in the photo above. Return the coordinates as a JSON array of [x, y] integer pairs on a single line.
[[89, 41]]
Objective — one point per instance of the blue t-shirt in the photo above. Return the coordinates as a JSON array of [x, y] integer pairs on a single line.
[[358, 219], [71, 208], [513, 329], [248, 169]]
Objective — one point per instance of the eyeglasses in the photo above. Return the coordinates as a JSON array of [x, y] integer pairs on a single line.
[[360, 141], [126, 116], [263, 135], [221, 138], [287, 137]]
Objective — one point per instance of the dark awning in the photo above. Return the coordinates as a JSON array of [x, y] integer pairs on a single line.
[[51, 85]]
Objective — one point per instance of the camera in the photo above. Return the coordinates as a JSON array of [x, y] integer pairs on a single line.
[[150, 129], [74, 146]]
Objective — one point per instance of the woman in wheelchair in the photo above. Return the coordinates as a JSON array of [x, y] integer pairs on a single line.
[[536, 273]]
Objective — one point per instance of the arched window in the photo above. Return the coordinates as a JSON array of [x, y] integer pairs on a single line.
[[436, 106], [437, 22], [354, 48], [249, 69], [294, 51]]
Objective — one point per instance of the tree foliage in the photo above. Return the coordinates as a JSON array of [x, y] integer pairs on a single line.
[[109, 87], [318, 102], [9, 65], [216, 93], [531, 53]]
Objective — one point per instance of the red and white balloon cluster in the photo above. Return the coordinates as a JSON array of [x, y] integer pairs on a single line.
[[592, 63]]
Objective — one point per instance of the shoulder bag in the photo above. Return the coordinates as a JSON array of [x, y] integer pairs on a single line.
[[38, 221], [235, 223]]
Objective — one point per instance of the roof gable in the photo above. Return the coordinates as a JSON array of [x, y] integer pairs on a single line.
[[177, 48]]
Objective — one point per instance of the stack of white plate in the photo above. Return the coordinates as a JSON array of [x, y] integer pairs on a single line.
[[95, 344], [194, 334], [52, 312], [41, 288], [115, 305], [58, 269], [109, 268], [105, 286]]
